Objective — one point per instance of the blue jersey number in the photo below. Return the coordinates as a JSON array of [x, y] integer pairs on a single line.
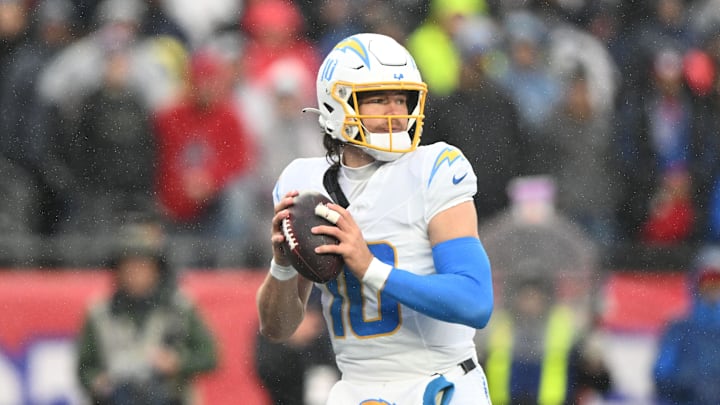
[[348, 295]]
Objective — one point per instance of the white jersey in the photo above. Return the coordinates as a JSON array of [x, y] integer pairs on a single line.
[[376, 338]]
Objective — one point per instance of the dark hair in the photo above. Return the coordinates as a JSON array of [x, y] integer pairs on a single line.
[[333, 149]]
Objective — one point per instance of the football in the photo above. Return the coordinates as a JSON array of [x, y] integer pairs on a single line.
[[309, 210]]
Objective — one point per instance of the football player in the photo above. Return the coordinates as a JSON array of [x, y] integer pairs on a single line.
[[417, 280]]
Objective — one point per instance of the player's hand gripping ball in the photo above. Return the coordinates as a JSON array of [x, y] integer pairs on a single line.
[[309, 210]]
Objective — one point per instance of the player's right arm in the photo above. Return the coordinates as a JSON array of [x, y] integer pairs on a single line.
[[283, 294]]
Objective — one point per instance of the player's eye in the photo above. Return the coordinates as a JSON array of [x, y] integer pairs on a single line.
[[376, 100], [400, 100]]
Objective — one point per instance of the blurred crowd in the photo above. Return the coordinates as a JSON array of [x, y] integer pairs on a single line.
[[184, 113], [591, 124]]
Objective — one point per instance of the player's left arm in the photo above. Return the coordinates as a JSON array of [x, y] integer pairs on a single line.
[[461, 289]]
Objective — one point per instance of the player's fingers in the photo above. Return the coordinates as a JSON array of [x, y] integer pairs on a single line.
[[277, 238], [345, 218], [341, 249], [349, 239], [327, 230], [323, 211], [277, 220], [286, 201]]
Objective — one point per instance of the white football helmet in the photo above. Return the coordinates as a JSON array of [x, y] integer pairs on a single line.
[[369, 62]]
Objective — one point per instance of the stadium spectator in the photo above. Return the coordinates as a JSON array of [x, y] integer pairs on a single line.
[[661, 25], [201, 20], [289, 89], [147, 342], [275, 30], [603, 21], [572, 48], [156, 68], [701, 71], [432, 45], [332, 20], [533, 87], [379, 16], [17, 213], [158, 22], [30, 134], [286, 94], [687, 365], [653, 144], [533, 351], [14, 27], [77, 71], [532, 240], [532, 230], [704, 16], [202, 148], [113, 151], [480, 118], [575, 149], [162, 33]]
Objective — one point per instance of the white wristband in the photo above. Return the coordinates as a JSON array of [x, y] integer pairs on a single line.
[[282, 273], [377, 273]]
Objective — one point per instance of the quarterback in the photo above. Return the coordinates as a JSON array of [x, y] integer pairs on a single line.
[[417, 281]]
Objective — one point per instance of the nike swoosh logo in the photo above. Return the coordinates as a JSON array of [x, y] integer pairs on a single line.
[[457, 180]]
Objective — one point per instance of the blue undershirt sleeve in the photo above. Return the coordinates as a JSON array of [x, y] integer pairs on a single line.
[[460, 292]]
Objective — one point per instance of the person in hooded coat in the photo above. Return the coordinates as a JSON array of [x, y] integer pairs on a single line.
[[687, 366], [146, 342]]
